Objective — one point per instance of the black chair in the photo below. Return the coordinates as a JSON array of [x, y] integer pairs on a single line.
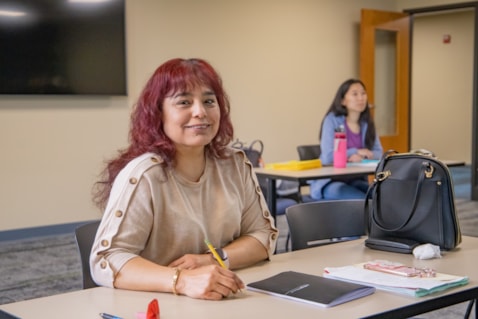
[[307, 152], [85, 236], [325, 222]]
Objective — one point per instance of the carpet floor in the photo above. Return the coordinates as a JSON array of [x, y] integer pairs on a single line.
[[38, 267]]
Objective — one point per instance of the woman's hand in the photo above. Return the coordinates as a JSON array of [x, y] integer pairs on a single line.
[[192, 261], [365, 153], [209, 282], [355, 158], [205, 282]]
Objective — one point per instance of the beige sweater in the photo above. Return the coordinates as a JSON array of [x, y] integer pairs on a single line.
[[157, 214]]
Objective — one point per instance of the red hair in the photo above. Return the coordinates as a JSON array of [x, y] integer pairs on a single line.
[[146, 132]]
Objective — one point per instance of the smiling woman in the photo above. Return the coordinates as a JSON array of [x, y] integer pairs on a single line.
[[176, 186], [191, 119]]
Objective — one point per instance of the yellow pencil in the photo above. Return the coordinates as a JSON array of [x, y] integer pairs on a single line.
[[215, 254]]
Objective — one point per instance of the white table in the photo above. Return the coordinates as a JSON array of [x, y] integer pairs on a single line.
[[302, 176], [89, 303]]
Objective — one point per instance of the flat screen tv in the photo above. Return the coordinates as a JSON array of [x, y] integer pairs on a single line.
[[62, 47]]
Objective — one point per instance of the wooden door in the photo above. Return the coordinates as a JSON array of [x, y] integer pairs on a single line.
[[384, 69]]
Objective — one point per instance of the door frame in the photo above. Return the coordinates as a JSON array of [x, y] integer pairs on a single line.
[[474, 130], [398, 23]]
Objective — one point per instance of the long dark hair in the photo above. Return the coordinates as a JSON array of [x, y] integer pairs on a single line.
[[338, 109], [146, 132]]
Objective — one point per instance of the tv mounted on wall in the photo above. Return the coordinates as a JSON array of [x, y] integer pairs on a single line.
[[62, 47]]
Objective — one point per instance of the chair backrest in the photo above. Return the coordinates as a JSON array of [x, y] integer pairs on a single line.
[[325, 222], [85, 236], [308, 152]]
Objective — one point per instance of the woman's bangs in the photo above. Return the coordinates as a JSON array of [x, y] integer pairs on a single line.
[[187, 81]]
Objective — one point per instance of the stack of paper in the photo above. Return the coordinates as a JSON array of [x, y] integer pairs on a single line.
[[412, 286]]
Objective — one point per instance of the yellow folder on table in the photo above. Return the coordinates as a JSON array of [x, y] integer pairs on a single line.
[[296, 165]]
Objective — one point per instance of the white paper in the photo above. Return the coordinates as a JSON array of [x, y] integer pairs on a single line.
[[384, 281]]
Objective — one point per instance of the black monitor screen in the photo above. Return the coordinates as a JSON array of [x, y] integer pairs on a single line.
[[62, 47]]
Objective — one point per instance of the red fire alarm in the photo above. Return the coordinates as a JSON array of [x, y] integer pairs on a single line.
[[446, 38]]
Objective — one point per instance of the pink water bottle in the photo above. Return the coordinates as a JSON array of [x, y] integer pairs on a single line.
[[340, 148]]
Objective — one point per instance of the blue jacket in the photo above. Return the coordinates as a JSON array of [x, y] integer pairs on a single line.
[[331, 122]]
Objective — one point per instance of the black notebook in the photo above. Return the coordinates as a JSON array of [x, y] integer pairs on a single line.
[[313, 289], [6, 315]]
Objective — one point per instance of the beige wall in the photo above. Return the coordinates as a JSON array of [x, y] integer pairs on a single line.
[[281, 62], [442, 80], [442, 84]]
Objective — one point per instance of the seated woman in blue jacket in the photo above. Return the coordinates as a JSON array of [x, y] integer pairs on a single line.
[[349, 110]]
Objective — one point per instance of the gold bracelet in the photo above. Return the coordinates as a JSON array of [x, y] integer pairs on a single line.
[[177, 272]]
